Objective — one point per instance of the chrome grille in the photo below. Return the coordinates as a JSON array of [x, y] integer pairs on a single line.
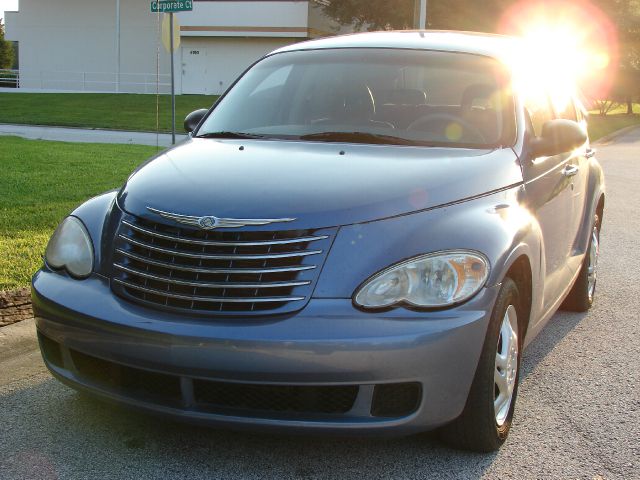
[[181, 268]]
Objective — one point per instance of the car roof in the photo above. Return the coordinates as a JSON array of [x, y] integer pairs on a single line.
[[443, 40]]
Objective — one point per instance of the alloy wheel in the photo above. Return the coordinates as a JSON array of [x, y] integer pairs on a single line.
[[593, 263], [506, 365]]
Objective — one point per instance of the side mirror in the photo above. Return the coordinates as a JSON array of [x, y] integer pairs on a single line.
[[558, 136], [193, 119]]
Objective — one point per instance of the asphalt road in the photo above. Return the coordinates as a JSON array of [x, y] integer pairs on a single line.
[[578, 412]]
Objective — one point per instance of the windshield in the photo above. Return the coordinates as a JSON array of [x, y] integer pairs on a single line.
[[388, 96]]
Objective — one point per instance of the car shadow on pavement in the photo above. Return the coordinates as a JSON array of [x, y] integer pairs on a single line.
[[51, 431], [55, 432], [560, 325]]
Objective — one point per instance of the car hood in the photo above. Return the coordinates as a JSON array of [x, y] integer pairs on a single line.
[[319, 184]]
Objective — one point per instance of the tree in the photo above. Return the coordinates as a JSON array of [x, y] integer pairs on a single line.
[[370, 14], [626, 88], [625, 15], [6, 50], [470, 15], [604, 106], [398, 14]]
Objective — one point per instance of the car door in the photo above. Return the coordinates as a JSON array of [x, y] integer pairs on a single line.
[[549, 194], [578, 171]]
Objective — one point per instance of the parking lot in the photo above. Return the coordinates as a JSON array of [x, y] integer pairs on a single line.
[[578, 412]]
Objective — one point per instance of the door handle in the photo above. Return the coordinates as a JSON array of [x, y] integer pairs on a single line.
[[570, 170], [590, 152]]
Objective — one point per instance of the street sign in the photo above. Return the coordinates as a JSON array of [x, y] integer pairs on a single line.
[[170, 6]]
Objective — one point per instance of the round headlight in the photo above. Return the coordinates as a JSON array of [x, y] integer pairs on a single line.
[[70, 248], [434, 280]]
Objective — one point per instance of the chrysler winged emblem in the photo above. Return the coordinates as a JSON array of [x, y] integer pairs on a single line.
[[209, 222]]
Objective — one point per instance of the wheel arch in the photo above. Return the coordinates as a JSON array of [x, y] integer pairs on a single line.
[[521, 273], [595, 205], [600, 207]]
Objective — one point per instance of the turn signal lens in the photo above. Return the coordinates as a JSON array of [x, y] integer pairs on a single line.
[[70, 248]]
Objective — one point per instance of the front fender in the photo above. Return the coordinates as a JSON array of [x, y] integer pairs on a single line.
[[495, 225]]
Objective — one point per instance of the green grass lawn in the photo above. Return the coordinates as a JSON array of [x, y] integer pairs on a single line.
[[40, 183], [98, 110], [600, 126]]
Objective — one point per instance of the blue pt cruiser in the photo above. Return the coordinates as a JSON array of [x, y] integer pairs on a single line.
[[361, 235]]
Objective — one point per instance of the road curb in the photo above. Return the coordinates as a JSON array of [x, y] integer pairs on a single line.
[[613, 135]]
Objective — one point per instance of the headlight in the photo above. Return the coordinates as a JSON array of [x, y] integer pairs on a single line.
[[70, 248], [433, 280]]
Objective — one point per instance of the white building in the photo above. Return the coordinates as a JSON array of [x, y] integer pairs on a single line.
[[115, 45]]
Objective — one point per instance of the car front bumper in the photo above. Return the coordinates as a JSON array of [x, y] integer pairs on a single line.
[[329, 343]]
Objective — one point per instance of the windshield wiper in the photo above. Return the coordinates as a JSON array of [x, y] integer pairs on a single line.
[[358, 137], [226, 134]]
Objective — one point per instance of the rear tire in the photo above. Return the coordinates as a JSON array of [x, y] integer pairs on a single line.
[[581, 296], [486, 419]]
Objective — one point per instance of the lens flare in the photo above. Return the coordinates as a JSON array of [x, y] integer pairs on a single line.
[[565, 47]]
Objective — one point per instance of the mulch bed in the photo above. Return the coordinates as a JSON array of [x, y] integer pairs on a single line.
[[15, 306]]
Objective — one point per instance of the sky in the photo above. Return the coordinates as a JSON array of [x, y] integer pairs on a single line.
[[7, 5]]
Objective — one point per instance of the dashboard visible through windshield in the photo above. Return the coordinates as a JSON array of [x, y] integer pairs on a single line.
[[369, 95]]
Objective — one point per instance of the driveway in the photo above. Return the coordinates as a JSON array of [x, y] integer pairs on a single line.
[[578, 414]]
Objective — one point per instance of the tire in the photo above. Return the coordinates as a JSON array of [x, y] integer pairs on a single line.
[[485, 421], [581, 296]]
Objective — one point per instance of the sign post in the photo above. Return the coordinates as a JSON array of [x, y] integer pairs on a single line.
[[173, 84], [171, 6], [420, 14]]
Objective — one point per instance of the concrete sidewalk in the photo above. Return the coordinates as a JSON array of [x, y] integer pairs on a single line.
[[19, 353], [64, 134]]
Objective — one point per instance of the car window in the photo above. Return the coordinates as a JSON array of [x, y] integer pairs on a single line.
[[539, 111], [373, 95], [567, 111], [580, 112]]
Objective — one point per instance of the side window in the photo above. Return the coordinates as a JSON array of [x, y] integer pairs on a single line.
[[580, 115], [539, 110], [568, 112]]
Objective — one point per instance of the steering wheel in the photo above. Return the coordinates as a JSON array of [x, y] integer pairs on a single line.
[[470, 131]]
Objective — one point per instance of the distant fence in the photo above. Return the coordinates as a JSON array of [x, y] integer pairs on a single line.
[[87, 81], [9, 78]]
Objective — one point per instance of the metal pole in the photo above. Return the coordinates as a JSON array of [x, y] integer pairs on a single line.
[[420, 14], [423, 14], [173, 89], [117, 46]]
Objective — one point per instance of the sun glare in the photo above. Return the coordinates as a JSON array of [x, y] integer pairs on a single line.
[[565, 46]]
